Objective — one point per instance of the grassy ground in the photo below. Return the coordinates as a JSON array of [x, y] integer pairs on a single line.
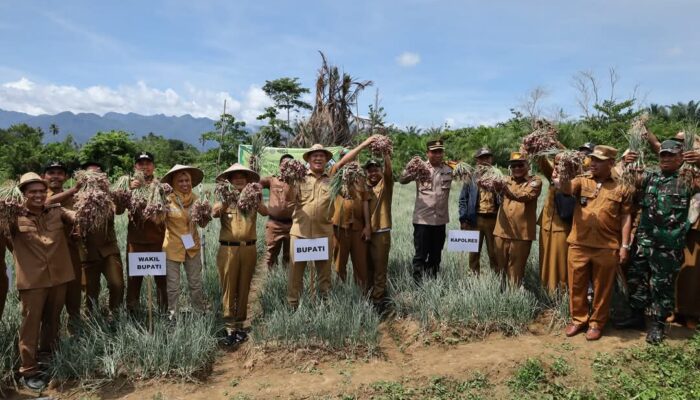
[[454, 308]]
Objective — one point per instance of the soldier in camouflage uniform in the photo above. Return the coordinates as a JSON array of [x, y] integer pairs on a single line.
[[660, 240]]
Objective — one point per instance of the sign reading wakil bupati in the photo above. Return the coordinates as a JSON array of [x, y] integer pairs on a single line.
[[310, 249], [461, 241], [142, 264]]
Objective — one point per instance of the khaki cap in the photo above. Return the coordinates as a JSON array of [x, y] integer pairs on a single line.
[[314, 149], [604, 152], [196, 174], [516, 156], [251, 175], [31, 177]]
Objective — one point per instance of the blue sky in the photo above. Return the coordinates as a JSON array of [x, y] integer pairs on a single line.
[[464, 62]]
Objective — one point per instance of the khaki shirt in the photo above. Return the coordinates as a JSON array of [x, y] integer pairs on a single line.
[[349, 213], [518, 212], [177, 224], [98, 245], [380, 197], [278, 206], [69, 204], [313, 207], [549, 218], [145, 232], [599, 211], [487, 202], [236, 227], [432, 198], [40, 250]]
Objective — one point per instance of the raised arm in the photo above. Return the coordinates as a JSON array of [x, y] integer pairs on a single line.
[[524, 194], [64, 195], [265, 181], [352, 154]]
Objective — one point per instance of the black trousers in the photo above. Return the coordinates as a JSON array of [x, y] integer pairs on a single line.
[[428, 241]]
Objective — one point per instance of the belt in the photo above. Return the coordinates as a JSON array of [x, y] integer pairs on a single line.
[[487, 215], [283, 220], [225, 243]]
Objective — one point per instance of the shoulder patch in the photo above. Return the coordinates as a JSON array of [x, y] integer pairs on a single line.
[[535, 183]]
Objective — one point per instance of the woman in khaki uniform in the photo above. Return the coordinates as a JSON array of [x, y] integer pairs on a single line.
[[237, 255], [182, 243], [553, 233]]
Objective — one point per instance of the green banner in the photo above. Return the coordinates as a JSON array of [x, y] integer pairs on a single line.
[[270, 158]]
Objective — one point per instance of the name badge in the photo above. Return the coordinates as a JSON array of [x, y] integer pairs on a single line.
[[188, 241]]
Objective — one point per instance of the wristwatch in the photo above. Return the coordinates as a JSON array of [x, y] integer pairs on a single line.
[[626, 246]]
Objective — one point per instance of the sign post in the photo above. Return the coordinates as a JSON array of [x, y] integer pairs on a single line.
[[147, 264], [459, 241], [310, 250]]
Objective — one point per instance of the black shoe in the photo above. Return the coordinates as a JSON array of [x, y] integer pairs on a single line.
[[228, 340], [240, 336], [634, 321], [36, 383], [655, 334]]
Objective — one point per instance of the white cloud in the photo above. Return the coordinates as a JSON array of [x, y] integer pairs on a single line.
[[408, 59], [674, 51], [35, 98]]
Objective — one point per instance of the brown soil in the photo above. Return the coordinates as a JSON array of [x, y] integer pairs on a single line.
[[406, 355]]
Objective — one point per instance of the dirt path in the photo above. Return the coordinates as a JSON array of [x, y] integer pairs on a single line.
[[257, 374]]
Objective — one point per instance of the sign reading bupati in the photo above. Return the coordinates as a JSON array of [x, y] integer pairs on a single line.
[[143, 264], [310, 249], [461, 241]]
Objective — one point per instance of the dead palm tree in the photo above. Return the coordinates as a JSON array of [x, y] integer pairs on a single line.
[[332, 121]]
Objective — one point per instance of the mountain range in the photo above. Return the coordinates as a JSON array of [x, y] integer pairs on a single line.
[[84, 125]]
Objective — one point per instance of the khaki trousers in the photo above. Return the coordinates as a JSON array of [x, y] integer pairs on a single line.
[[599, 266], [74, 288], [41, 320], [193, 269], [377, 264], [511, 258], [485, 224], [111, 268], [276, 239], [4, 288], [236, 265], [553, 259], [296, 277], [133, 283], [349, 244]]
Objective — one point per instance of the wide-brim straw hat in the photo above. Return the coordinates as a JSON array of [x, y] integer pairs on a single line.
[[314, 149], [196, 174], [251, 175], [31, 177]]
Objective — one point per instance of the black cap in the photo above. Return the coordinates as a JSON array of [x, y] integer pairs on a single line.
[[287, 155], [144, 155], [671, 146], [588, 146], [484, 151], [436, 145], [55, 165], [90, 164], [372, 163]]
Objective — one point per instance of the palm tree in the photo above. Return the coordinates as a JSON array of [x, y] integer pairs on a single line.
[[53, 128]]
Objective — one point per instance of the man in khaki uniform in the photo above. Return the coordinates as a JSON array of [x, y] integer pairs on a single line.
[[599, 241], [145, 236], [43, 269], [313, 209], [279, 220], [431, 213], [56, 174], [4, 282], [100, 256], [477, 211], [351, 225], [516, 224]]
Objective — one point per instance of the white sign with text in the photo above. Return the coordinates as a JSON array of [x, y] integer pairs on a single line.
[[463, 241], [143, 264], [311, 249]]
